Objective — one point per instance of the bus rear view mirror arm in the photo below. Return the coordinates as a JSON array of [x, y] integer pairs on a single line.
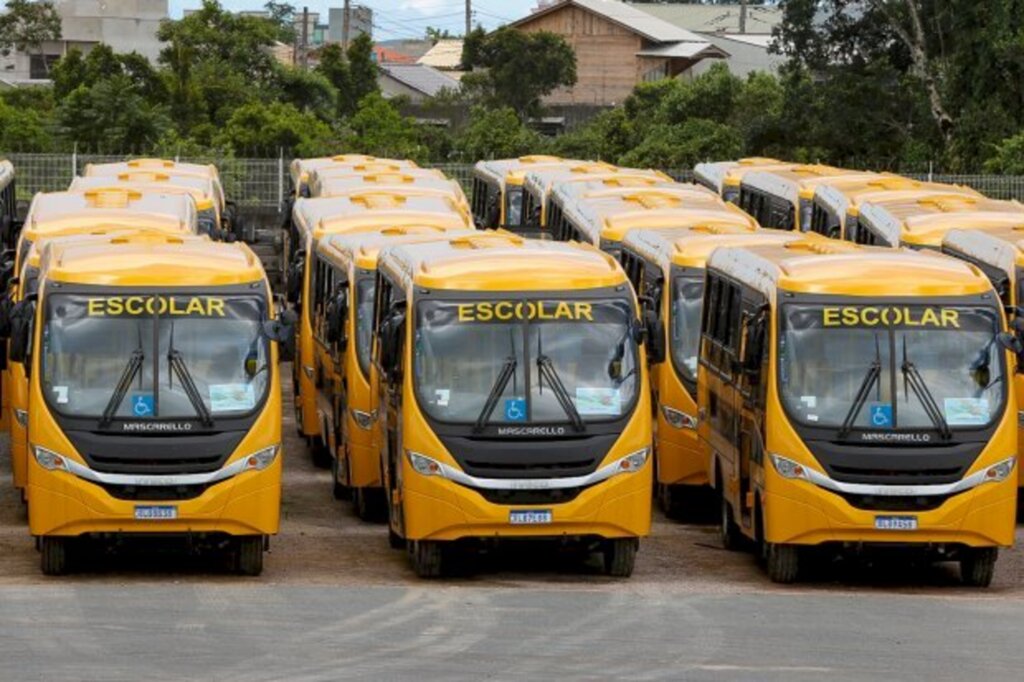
[[282, 328], [1011, 342]]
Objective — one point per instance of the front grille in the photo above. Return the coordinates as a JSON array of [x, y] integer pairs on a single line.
[[155, 455], [140, 463], [896, 464], [559, 468], [512, 497], [876, 474], [155, 493], [900, 503], [529, 458]]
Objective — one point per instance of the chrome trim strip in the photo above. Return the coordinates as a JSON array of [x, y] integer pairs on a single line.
[[967, 483], [598, 476]]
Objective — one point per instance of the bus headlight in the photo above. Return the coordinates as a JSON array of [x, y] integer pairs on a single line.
[[633, 461], [424, 465], [363, 420], [49, 460], [677, 419], [1000, 471], [261, 459], [787, 468], [22, 417]]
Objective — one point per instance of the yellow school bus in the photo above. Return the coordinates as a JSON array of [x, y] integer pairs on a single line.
[[781, 199], [154, 397], [922, 221], [47, 221], [514, 398], [323, 180], [855, 397], [346, 264], [604, 222], [666, 268], [724, 177], [566, 194], [202, 190], [497, 196], [300, 169], [999, 253], [836, 203], [313, 219], [414, 183]]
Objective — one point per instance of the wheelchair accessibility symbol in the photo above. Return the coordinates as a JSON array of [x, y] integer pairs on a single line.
[[142, 405], [515, 410], [881, 415]]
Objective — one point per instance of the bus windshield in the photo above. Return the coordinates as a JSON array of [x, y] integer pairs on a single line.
[[882, 367], [514, 206], [365, 291], [687, 295], [536, 361], [152, 356]]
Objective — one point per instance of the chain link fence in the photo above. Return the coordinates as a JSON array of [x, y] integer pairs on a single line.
[[262, 185]]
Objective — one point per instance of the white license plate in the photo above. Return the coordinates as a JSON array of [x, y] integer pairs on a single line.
[[156, 512], [896, 522], [527, 517]]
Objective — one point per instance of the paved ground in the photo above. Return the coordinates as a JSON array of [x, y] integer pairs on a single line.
[[334, 602]]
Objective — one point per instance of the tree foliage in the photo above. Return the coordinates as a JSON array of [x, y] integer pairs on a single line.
[[26, 25], [497, 134]]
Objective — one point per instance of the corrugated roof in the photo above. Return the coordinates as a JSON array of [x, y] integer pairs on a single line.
[[445, 55], [714, 18], [420, 77], [649, 26], [685, 51]]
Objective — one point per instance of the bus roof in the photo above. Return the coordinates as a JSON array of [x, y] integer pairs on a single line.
[[107, 207], [152, 260], [373, 210], [691, 246], [831, 267], [922, 221], [1001, 247], [163, 165], [491, 261], [389, 182], [200, 189], [798, 182], [300, 168], [513, 171], [713, 173], [540, 180], [844, 196], [611, 217], [619, 185], [362, 249], [370, 174]]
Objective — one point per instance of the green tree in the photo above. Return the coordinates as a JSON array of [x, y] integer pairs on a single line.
[[1008, 157], [258, 128], [378, 128], [362, 68], [282, 15], [111, 116], [334, 67], [497, 134], [518, 68], [308, 91], [24, 129], [682, 146], [68, 73], [26, 25]]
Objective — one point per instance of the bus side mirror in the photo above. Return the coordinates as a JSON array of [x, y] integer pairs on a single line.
[[22, 316], [653, 332], [337, 314], [1011, 342], [296, 273], [282, 328]]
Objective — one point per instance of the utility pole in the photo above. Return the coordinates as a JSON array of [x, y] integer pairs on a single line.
[[743, 16], [469, 18], [305, 37], [346, 24]]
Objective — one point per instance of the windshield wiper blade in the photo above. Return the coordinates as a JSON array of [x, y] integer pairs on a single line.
[[124, 383], [547, 371], [873, 373], [178, 366], [912, 378], [508, 370]]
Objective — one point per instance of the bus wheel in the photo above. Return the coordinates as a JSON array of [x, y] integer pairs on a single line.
[[727, 529], [427, 558], [782, 563], [249, 555], [978, 566], [395, 541], [54, 555], [620, 556]]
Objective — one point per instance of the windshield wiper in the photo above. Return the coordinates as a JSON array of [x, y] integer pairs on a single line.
[[547, 370], [133, 367], [874, 371], [178, 366], [508, 371], [912, 378]]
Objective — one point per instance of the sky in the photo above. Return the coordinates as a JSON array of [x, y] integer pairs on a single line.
[[401, 18]]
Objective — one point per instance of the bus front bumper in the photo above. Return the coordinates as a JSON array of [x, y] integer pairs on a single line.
[[445, 507], [240, 500], [976, 514]]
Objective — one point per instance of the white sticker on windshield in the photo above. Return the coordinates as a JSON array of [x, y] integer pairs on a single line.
[[967, 411], [598, 401], [443, 396], [691, 364], [812, 417], [62, 394], [811, 401], [232, 397]]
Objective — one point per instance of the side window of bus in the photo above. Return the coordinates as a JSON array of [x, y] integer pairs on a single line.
[[722, 325], [782, 215]]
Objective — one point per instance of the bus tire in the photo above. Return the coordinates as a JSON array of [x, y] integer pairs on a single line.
[[54, 554], [620, 556], [727, 529], [249, 555], [978, 566], [395, 541], [427, 558], [782, 563]]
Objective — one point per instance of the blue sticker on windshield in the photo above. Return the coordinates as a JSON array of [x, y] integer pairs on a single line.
[[515, 410], [143, 404], [881, 415]]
